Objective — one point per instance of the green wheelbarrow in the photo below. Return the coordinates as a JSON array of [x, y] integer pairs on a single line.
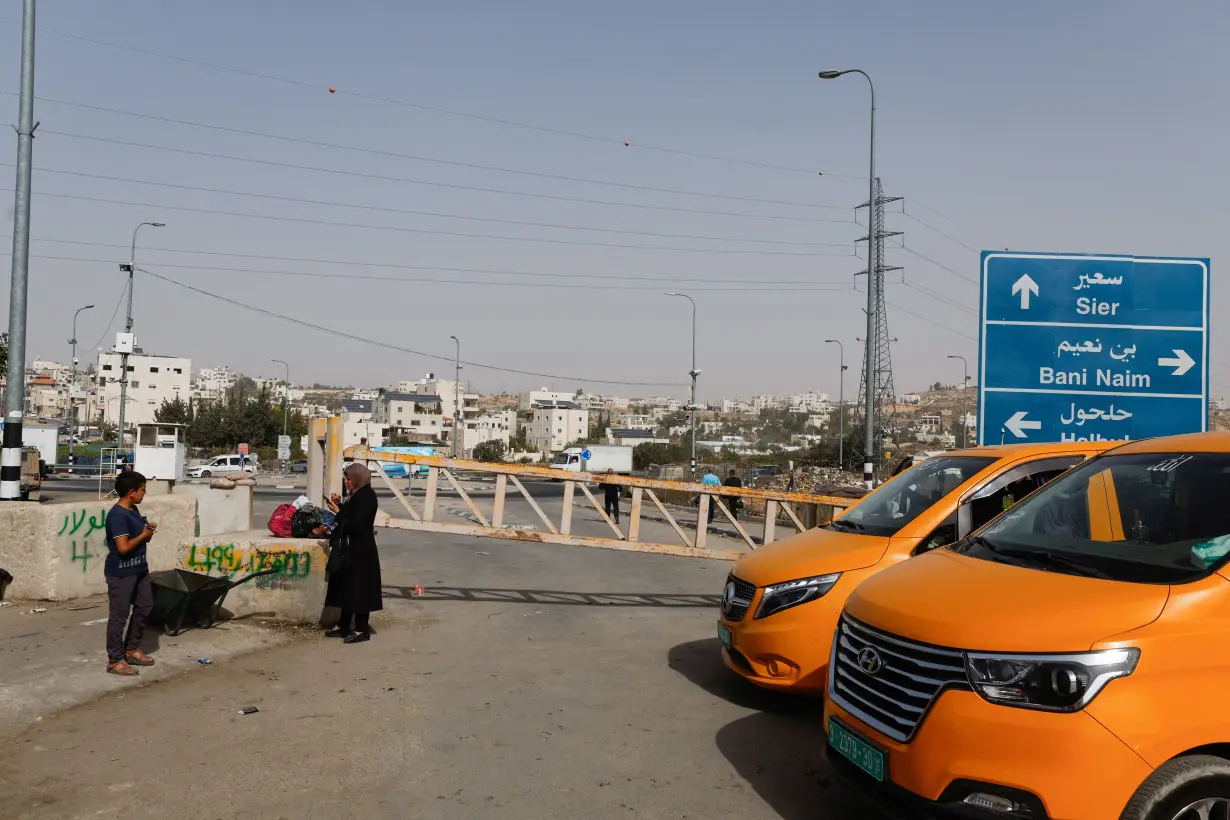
[[180, 596]]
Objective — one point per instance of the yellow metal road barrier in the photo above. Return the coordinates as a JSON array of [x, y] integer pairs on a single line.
[[423, 515]]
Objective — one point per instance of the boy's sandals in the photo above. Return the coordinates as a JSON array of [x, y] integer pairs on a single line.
[[138, 658], [121, 668]]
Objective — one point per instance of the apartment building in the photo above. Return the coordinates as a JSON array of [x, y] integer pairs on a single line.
[[152, 380]]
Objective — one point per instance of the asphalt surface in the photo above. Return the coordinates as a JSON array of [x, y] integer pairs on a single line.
[[529, 681]]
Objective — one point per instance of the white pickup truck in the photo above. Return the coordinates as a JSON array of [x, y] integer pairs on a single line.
[[596, 458]]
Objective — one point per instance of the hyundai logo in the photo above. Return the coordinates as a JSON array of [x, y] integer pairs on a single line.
[[869, 661]]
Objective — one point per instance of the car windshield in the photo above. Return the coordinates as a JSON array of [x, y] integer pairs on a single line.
[[907, 496], [1147, 518], [562, 458]]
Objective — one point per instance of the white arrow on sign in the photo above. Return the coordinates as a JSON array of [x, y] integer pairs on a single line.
[[1025, 286], [1181, 362], [1017, 424]]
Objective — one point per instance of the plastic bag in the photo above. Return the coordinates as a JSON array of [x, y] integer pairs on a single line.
[[280, 523], [301, 502], [327, 518], [306, 519]]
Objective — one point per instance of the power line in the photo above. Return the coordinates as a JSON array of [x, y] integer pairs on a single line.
[[408, 212], [944, 234], [399, 349], [396, 266], [751, 286], [949, 328], [559, 177], [939, 297], [417, 158], [114, 313], [400, 229], [434, 109], [940, 265]]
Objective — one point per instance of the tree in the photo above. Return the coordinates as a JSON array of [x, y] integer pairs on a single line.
[[177, 411], [489, 451]]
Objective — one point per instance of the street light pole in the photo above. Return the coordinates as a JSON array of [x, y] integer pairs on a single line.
[[15, 388], [285, 392], [456, 398], [72, 383], [964, 393], [841, 401], [131, 268], [873, 264], [693, 373]]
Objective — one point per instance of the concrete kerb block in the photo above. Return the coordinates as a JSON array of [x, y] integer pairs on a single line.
[[56, 552], [295, 592]]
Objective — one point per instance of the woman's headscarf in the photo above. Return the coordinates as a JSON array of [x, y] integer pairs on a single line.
[[358, 474]]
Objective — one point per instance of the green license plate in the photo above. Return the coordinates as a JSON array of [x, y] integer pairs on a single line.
[[725, 636], [856, 750]]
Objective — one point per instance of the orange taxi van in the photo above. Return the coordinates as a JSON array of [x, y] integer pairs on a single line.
[[1069, 661], [781, 603]]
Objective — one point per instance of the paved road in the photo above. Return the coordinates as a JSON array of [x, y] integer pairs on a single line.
[[531, 681]]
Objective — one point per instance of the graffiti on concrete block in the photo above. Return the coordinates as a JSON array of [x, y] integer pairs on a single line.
[[235, 560], [79, 529]]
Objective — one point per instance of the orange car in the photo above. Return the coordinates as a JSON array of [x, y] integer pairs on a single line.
[[1066, 661], [781, 602]]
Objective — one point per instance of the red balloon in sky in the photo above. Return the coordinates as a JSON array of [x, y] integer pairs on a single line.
[[332, 90]]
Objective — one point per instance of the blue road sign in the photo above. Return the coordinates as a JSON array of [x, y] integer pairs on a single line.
[[1077, 347], [586, 454]]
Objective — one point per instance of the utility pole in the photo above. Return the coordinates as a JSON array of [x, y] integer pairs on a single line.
[[457, 399], [964, 409], [693, 373], [15, 393], [129, 345], [72, 385], [841, 401]]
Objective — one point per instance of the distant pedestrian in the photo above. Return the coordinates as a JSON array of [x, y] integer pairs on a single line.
[[712, 480], [733, 501], [129, 594], [611, 501], [354, 564]]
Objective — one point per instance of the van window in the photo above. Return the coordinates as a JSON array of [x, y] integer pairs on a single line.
[[1150, 518], [907, 496]]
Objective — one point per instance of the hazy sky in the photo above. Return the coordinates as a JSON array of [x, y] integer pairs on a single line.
[[1050, 126]]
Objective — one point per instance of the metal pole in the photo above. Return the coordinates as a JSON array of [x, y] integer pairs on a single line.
[[693, 373], [72, 383], [964, 394], [15, 394], [841, 401], [457, 399], [285, 391], [873, 264], [132, 267]]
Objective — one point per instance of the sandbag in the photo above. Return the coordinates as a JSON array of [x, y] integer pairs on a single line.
[[280, 523]]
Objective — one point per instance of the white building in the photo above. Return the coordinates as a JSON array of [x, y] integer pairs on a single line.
[[415, 415], [490, 426], [151, 381], [819, 421], [62, 373], [357, 424], [372, 395], [212, 383], [636, 421], [553, 425], [810, 402], [764, 402], [531, 397], [929, 423]]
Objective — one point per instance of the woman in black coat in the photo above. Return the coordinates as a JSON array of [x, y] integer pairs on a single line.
[[354, 577]]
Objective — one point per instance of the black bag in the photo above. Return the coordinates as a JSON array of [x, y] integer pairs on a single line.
[[339, 553], [306, 519]]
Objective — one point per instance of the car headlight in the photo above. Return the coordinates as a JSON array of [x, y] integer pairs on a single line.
[[1052, 683], [792, 593]]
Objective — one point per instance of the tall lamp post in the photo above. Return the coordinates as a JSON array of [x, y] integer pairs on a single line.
[[964, 392], [72, 384], [130, 268], [841, 402], [693, 373], [456, 399], [873, 265], [285, 397]]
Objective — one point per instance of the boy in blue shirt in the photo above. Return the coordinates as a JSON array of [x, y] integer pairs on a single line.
[[127, 571]]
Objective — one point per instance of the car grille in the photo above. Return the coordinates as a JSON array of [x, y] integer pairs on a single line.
[[894, 697], [736, 608]]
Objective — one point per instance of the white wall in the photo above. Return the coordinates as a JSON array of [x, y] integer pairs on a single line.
[[151, 381]]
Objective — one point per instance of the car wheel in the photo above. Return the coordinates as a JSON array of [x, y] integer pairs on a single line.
[[205, 473], [1186, 788]]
